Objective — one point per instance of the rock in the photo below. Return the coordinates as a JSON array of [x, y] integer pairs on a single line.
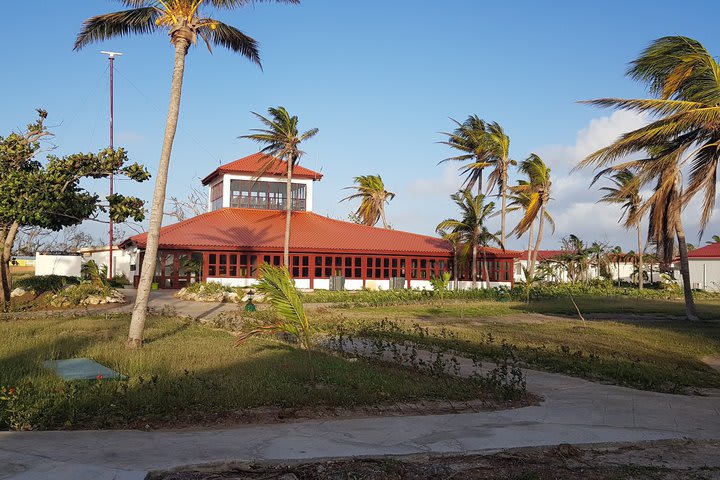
[[231, 297], [288, 476], [18, 292], [182, 293], [93, 300]]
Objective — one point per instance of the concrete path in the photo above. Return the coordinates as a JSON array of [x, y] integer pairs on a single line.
[[574, 411]]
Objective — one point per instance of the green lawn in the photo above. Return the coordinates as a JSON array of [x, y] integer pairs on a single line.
[[662, 355], [185, 374]]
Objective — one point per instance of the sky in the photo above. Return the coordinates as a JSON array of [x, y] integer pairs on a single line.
[[379, 79]]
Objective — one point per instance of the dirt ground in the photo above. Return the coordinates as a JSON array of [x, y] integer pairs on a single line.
[[661, 460]]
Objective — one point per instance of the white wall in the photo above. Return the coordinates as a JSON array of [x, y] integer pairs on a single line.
[[704, 274], [66, 265], [122, 260]]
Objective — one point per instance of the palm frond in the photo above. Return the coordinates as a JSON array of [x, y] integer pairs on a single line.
[[102, 27], [227, 36]]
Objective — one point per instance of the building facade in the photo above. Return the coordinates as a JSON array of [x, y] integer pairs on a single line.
[[245, 227]]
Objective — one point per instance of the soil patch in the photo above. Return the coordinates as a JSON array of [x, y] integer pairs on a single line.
[[672, 459], [271, 415]]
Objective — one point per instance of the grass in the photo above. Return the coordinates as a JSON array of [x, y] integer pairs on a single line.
[[186, 373], [654, 355]]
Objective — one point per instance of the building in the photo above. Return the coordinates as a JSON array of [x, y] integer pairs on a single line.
[[556, 267], [123, 260], [704, 265], [245, 226]]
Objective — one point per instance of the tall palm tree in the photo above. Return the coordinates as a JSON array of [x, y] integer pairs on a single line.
[[373, 197], [184, 21], [498, 153], [626, 192], [470, 229], [469, 138], [453, 238], [281, 138], [537, 192], [683, 78]]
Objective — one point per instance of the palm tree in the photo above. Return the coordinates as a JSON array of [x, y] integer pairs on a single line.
[[469, 137], [470, 228], [617, 255], [536, 193], [683, 78], [626, 192], [281, 139], [373, 197], [453, 238], [498, 154], [715, 239], [184, 21]]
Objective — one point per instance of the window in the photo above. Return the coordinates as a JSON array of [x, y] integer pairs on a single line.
[[216, 196], [266, 195]]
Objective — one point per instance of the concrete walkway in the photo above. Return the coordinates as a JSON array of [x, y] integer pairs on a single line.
[[574, 411]]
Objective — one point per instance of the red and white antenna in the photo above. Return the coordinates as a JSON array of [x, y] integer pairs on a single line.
[[111, 57]]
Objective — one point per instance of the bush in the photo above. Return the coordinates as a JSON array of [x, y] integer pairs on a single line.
[[46, 283], [209, 288], [119, 281], [76, 295]]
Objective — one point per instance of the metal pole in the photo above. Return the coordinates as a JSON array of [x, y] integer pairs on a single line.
[[112, 61], [111, 57]]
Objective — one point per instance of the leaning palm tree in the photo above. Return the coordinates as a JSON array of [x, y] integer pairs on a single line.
[[683, 78], [469, 138], [497, 144], [281, 139], [470, 229], [536, 193], [184, 21], [626, 192], [370, 189]]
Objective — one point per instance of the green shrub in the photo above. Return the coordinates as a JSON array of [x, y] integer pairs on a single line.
[[119, 281], [209, 288], [76, 295], [45, 283]]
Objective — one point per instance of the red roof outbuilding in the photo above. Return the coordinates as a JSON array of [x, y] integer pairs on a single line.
[[708, 251]]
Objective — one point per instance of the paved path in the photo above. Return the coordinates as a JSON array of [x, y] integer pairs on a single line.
[[574, 411]]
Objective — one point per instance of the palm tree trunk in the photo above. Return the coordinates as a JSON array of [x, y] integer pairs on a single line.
[[137, 323], [537, 242], [685, 272], [618, 269], [640, 259], [7, 239], [382, 216], [474, 266], [288, 214], [455, 268], [485, 267], [503, 193], [529, 255]]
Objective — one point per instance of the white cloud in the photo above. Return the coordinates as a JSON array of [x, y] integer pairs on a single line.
[[599, 133]]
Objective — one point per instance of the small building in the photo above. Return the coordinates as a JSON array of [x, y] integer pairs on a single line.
[[123, 260], [704, 265], [245, 226]]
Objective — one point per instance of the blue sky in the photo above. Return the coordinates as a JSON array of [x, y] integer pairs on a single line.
[[379, 79]]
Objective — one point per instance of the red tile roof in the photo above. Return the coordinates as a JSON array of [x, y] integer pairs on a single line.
[[543, 254], [708, 251], [241, 229], [251, 164]]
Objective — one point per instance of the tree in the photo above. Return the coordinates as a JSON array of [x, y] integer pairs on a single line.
[[617, 256], [373, 197], [470, 229], [49, 195], [453, 238], [498, 154], [535, 193], [281, 139], [715, 239], [626, 192], [193, 204], [469, 137], [184, 21], [683, 79]]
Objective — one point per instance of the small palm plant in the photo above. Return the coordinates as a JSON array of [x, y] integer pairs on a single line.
[[440, 284], [276, 284]]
